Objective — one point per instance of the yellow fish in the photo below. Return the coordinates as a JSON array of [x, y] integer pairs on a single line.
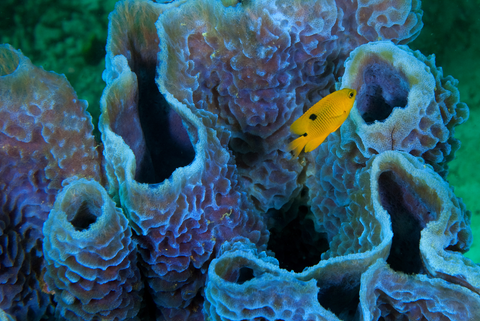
[[321, 119]]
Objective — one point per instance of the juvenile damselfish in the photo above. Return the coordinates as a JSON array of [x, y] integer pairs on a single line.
[[321, 119]]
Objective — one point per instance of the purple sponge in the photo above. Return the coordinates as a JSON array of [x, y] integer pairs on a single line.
[[90, 256], [259, 64], [390, 295], [403, 104], [46, 137], [180, 220]]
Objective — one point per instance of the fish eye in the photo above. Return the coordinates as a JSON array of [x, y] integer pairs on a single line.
[[350, 95]]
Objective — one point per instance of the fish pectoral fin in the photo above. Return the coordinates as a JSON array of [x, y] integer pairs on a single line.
[[297, 145], [339, 115], [314, 143], [336, 118]]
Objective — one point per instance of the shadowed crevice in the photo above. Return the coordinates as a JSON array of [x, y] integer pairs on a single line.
[[296, 243], [342, 298], [167, 142], [245, 274], [409, 216]]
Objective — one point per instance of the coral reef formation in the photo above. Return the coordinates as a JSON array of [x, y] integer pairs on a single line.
[[90, 256], [196, 178], [383, 292], [180, 220], [45, 138], [395, 192], [259, 77]]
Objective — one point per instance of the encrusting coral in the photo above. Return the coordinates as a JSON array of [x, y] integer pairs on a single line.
[[196, 186]]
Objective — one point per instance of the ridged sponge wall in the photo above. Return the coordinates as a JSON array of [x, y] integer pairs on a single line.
[[45, 138], [90, 256], [394, 192], [403, 103], [245, 284], [199, 98], [179, 220], [257, 64], [383, 294]]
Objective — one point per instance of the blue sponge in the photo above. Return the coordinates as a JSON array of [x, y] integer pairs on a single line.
[[90, 256]]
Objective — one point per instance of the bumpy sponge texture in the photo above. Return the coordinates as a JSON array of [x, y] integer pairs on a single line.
[[90, 256], [181, 219], [46, 137], [404, 104], [259, 78], [387, 294]]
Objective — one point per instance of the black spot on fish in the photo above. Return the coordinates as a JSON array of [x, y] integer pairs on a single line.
[[304, 135], [313, 117]]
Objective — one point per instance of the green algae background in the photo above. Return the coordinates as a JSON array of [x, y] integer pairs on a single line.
[[450, 32], [65, 36], [68, 37]]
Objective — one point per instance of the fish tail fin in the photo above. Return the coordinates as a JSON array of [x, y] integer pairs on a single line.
[[297, 145], [314, 143]]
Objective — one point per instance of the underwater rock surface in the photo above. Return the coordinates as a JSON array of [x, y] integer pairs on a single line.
[[197, 211]]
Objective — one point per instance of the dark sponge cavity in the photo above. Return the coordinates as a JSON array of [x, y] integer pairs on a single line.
[[341, 298], [83, 217], [383, 89], [167, 141], [409, 215]]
